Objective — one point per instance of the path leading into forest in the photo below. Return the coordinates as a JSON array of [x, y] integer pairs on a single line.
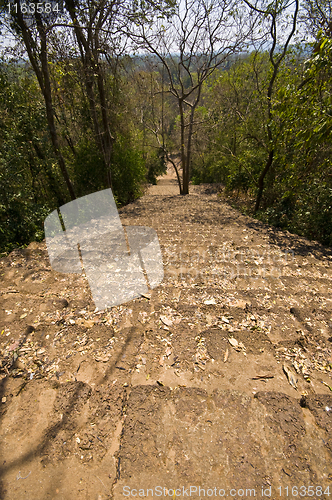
[[216, 384]]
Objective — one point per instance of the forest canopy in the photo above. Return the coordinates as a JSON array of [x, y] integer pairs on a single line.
[[99, 94]]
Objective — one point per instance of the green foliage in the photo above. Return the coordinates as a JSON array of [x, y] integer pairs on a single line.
[[21, 221], [155, 166], [313, 216], [128, 171], [230, 144], [25, 176], [31, 185], [298, 187], [88, 167]]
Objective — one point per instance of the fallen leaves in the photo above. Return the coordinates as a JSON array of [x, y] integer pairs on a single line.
[[104, 358], [168, 351], [327, 385], [201, 355], [290, 375], [306, 360], [14, 346], [262, 377], [238, 346], [241, 304], [166, 321], [210, 302]]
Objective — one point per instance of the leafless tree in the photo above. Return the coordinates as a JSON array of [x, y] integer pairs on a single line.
[[274, 19], [317, 16], [190, 42]]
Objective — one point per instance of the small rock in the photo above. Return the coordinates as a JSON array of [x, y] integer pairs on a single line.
[[19, 364], [63, 303]]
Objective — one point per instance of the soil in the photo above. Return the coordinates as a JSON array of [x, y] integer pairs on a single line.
[[217, 383]]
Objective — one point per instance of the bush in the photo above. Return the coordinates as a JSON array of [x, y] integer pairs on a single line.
[[20, 223], [128, 172], [89, 169], [155, 165]]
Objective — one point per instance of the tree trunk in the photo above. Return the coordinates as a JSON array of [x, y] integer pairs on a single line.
[[261, 180], [50, 177], [183, 154], [45, 86], [50, 120], [186, 177], [89, 45]]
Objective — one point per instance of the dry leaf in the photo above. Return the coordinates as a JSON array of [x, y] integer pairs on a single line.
[[210, 319], [104, 358], [238, 346], [242, 304], [168, 351], [234, 343], [89, 323], [327, 385], [14, 346], [210, 302], [290, 375], [226, 355], [166, 321]]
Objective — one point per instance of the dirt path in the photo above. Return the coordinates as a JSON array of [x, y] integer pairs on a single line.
[[191, 387], [167, 184]]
